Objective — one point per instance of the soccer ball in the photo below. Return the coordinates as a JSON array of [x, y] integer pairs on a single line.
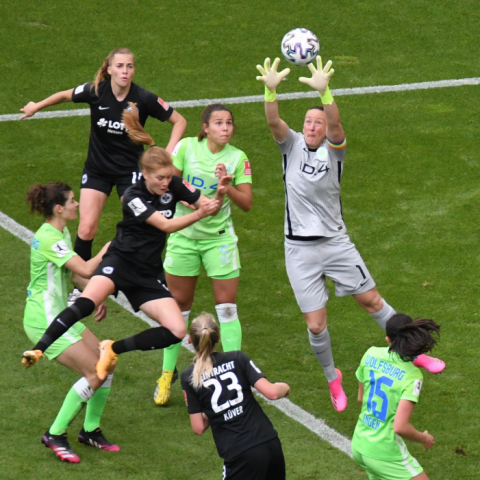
[[300, 46]]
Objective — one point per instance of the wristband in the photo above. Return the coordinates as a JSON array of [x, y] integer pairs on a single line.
[[269, 95], [327, 97]]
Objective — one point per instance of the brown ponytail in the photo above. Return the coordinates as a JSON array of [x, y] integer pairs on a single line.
[[151, 159], [207, 113], [43, 198]]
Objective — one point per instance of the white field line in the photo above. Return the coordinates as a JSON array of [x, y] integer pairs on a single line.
[[259, 98], [316, 425]]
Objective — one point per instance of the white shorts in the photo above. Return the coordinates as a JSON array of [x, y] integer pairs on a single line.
[[308, 263]]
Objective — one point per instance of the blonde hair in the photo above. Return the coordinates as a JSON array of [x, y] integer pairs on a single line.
[[102, 73], [151, 159], [204, 334]]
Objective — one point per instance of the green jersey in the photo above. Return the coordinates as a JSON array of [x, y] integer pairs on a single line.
[[386, 380], [198, 165], [47, 291]]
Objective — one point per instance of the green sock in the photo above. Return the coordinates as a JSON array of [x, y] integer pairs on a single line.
[[231, 335], [95, 408], [72, 404], [170, 355]]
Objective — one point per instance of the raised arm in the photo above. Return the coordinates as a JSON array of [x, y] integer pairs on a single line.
[[403, 427], [273, 391], [179, 126], [271, 78], [319, 81], [31, 107]]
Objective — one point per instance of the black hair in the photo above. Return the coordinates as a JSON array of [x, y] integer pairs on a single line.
[[410, 338]]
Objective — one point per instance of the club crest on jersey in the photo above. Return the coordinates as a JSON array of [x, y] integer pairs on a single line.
[[166, 198], [61, 248], [137, 206], [84, 178], [107, 270], [164, 104], [192, 189]]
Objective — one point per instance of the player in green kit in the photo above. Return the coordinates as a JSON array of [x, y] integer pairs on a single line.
[[51, 264], [212, 241], [389, 388]]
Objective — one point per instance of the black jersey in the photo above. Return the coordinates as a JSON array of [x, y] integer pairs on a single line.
[[226, 398], [110, 150], [138, 242]]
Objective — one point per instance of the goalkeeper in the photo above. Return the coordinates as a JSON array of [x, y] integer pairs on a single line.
[[316, 240]]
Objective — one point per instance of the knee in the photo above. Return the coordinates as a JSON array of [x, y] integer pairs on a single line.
[[316, 321], [87, 229], [371, 301], [179, 330]]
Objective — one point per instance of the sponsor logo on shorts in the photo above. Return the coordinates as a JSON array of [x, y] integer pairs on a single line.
[[137, 206], [248, 169], [107, 270], [61, 248], [192, 189], [166, 198], [166, 213], [84, 178], [163, 103], [168, 262]]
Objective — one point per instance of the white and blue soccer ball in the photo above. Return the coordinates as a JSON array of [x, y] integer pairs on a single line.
[[300, 46]]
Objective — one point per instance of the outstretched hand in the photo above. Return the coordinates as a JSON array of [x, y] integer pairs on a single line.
[[29, 109], [270, 76], [320, 76]]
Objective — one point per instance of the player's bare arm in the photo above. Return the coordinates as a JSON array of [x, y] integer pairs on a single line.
[[31, 107], [179, 126]]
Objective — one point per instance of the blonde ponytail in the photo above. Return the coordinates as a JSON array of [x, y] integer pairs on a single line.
[[102, 73], [204, 334]]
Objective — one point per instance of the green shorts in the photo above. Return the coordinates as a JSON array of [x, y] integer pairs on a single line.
[[219, 256], [388, 470], [71, 336]]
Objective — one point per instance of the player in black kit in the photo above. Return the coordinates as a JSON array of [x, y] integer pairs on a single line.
[[217, 389], [112, 157], [133, 261]]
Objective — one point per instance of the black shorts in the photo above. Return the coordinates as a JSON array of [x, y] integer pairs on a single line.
[[261, 462], [105, 183], [138, 288]]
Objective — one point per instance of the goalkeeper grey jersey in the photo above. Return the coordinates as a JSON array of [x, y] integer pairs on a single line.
[[313, 207]]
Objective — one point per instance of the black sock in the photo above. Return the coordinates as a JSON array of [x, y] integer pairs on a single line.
[[151, 339], [82, 308], [83, 248]]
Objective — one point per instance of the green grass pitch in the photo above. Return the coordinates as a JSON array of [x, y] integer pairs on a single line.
[[410, 195]]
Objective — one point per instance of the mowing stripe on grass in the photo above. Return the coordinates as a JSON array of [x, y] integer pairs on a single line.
[[259, 98], [293, 411]]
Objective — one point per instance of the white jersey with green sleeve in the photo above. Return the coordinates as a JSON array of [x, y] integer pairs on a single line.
[[48, 291], [386, 380], [198, 164]]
